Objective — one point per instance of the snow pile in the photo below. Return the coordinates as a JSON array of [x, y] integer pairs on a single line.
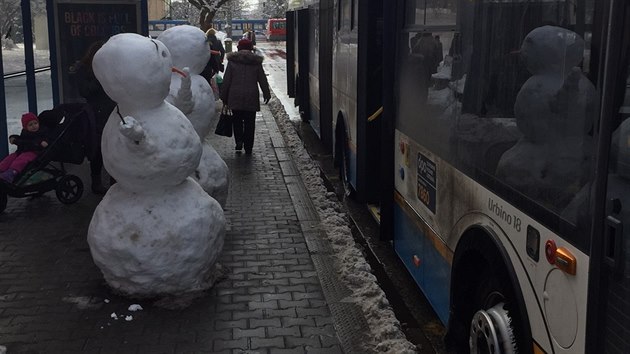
[[352, 267]]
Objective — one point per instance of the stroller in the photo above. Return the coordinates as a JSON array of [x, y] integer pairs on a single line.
[[67, 126]]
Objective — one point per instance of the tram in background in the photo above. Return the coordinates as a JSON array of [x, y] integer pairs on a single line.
[[501, 150], [158, 26], [276, 29], [240, 25]]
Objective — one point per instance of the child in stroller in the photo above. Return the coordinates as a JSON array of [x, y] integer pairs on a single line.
[[30, 142], [67, 142]]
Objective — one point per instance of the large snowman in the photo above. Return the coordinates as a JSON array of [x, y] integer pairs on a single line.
[[156, 231], [555, 111], [193, 95]]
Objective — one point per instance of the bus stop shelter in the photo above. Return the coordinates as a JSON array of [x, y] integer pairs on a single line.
[[72, 25]]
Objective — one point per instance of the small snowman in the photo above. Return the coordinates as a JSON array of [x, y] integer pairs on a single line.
[[193, 95], [555, 110], [155, 232]]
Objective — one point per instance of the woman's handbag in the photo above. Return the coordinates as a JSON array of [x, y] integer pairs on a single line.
[[224, 126]]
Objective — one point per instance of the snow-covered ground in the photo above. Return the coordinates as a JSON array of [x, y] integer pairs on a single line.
[[13, 59], [351, 265]]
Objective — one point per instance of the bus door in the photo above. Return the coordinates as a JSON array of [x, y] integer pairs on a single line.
[[325, 72], [369, 100], [609, 293], [302, 68], [291, 53]]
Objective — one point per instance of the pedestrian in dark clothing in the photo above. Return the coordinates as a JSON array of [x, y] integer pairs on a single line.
[[215, 63], [243, 75], [251, 35], [31, 141], [439, 50], [101, 106]]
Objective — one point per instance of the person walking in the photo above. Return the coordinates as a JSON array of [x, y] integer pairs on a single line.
[[101, 106], [251, 35], [239, 91], [215, 63]]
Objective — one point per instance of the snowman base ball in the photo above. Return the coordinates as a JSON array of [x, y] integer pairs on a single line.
[[154, 244], [213, 174]]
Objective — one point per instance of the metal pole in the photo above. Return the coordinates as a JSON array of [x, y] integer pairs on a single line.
[[29, 61], [4, 134], [52, 47], [425, 14]]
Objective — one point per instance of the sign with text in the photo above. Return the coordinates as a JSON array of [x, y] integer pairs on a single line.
[[80, 24], [427, 182]]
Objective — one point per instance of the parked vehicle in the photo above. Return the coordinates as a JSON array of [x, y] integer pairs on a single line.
[[507, 210], [276, 29]]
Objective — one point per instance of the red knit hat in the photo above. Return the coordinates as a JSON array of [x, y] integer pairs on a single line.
[[245, 44], [27, 117]]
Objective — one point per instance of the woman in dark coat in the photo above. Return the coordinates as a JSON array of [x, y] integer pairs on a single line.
[[101, 106], [243, 75], [215, 63]]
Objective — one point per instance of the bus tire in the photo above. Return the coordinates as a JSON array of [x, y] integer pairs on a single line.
[[342, 162], [491, 328], [483, 280]]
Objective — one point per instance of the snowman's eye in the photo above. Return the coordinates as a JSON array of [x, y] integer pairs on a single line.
[[164, 55]]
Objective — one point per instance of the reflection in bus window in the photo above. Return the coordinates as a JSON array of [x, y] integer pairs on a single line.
[[554, 109], [431, 12], [514, 106]]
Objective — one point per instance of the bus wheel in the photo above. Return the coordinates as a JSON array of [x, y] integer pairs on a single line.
[[343, 172], [491, 331], [492, 326]]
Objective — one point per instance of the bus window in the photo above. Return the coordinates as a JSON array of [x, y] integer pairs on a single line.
[[514, 109], [430, 13]]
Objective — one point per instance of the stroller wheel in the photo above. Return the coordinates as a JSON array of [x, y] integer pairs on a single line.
[[69, 189], [3, 201]]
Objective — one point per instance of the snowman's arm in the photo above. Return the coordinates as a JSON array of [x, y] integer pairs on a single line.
[[132, 129], [567, 92], [184, 100]]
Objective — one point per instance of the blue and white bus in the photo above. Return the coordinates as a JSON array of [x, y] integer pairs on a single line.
[[158, 26], [259, 26], [491, 137]]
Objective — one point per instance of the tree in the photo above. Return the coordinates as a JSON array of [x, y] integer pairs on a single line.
[[10, 17], [207, 10], [274, 8], [183, 10]]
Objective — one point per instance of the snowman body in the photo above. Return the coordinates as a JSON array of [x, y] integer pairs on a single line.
[[161, 159], [554, 110], [194, 96], [153, 233]]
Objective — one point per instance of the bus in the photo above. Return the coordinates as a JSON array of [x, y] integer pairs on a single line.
[[158, 26], [276, 29], [259, 26], [498, 134]]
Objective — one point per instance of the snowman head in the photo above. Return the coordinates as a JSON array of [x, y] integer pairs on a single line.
[[551, 49], [188, 46], [135, 71]]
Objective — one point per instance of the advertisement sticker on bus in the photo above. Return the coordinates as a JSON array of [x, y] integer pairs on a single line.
[[427, 182]]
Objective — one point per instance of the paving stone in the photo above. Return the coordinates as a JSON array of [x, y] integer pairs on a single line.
[[270, 322], [277, 342], [52, 295], [256, 332]]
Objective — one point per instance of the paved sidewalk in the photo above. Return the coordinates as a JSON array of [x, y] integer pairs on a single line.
[[53, 298]]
